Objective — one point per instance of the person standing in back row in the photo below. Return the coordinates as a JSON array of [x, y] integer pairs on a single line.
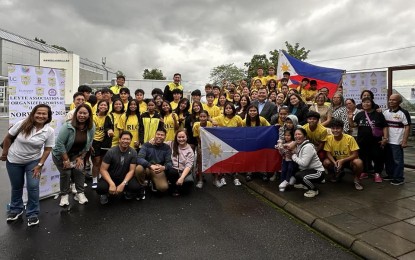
[[176, 84]]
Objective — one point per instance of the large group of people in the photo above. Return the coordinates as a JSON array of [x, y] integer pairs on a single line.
[[137, 145]]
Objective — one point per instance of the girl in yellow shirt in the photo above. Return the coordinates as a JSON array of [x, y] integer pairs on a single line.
[[221, 102], [170, 121], [97, 152], [228, 119], [132, 122], [112, 120], [203, 122], [182, 111]]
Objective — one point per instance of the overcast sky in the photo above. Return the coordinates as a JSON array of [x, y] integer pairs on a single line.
[[192, 37]]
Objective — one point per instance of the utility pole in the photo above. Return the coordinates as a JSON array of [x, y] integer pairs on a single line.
[[104, 61]]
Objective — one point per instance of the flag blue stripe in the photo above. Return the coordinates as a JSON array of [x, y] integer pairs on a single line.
[[308, 70], [247, 139]]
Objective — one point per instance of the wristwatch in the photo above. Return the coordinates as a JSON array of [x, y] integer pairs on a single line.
[[125, 183], [40, 164]]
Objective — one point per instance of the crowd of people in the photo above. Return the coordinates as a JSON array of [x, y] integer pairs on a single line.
[[137, 144]]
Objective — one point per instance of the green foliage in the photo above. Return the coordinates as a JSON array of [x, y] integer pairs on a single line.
[[229, 72], [257, 61], [153, 74], [264, 62]]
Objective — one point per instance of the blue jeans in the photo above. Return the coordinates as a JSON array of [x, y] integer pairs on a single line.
[[287, 170], [17, 174], [394, 162]]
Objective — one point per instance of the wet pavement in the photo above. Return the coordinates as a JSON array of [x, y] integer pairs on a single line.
[[376, 223]]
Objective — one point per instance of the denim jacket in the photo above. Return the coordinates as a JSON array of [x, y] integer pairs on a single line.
[[66, 138]]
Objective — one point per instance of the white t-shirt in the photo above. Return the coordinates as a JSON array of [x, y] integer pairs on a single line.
[[26, 149], [396, 122]]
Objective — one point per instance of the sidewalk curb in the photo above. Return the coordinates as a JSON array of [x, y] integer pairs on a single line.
[[345, 239]]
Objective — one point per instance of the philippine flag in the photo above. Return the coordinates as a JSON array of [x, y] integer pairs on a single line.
[[325, 77], [239, 149]]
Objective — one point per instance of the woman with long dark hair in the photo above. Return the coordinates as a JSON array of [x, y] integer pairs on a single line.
[[182, 163], [132, 122], [182, 111], [243, 108], [298, 108], [22, 151], [253, 118], [72, 144]]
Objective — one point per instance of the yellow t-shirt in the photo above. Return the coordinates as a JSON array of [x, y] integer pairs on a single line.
[[213, 111], [341, 149], [72, 106], [130, 125], [174, 104], [263, 80], [316, 136], [169, 126], [116, 138], [228, 122], [116, 89], [262, 122], [309, 95], [142, 106], [271, 77], [196, 128], [99, 127]]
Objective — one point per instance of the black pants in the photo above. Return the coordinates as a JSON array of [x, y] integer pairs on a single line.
[[309, 177], [133, 186], [172, 177]]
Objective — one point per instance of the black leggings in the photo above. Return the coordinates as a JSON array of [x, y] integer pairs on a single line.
[[309, 177]]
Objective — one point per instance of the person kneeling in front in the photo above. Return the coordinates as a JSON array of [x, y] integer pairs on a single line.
[[154, 161], [117, 171]]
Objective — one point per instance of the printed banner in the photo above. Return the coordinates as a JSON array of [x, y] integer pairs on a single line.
[[28, 87], [375, 81], [239, 149]]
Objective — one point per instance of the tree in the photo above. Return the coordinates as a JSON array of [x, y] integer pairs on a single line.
[[257, 61], [229, 72], [153, 74], [262, 60], [295, 51]]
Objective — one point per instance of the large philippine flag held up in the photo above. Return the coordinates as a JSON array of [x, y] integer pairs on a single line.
[[325, 77], [239, 149]]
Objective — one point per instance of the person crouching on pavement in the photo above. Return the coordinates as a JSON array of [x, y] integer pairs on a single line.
[[342, 153], [153, 161], [311, 168], [117, 171]]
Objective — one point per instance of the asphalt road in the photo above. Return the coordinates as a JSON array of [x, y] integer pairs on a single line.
[[226, 223]]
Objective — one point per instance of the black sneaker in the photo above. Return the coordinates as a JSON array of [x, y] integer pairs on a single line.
[[128, 196], [103, 199], [141, 195], [32, 221], [13, 216], [396, 182]]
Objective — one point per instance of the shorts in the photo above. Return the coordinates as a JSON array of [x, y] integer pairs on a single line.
[[97, 149]]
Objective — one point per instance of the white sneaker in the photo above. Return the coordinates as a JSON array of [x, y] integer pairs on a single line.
[[283, 185], [292, 180], [273, 178], [223, 181], [64, 200], [85, 185], [237, 182], [311, 193], [218, 183], [300, 186], [73, 188], [80, 197], [199, 184]]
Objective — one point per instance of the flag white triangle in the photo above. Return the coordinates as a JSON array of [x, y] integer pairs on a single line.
[[213, 149]]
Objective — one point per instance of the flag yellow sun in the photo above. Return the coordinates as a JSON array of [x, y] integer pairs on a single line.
[[285, 67], [215, 149]]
